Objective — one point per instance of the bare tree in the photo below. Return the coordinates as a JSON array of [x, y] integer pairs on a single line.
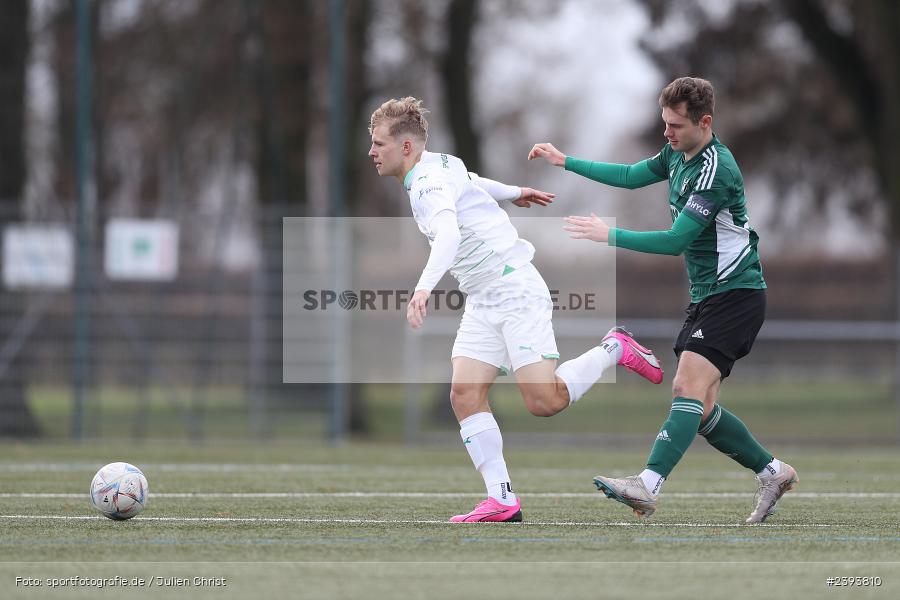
[[810, 88], [455, 67], [864, 63], [16, 419]]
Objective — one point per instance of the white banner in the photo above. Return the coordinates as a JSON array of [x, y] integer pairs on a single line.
[[38, 256], [141, 250]]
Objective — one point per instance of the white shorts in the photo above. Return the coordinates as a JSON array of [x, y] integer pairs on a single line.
[[508, 323]]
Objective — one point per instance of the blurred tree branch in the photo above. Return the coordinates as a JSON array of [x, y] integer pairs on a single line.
[[874, 94], [792, 116]]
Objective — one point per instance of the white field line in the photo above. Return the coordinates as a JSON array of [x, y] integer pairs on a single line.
[[304, 520], [187, 467], [69, 495], [55, 467]]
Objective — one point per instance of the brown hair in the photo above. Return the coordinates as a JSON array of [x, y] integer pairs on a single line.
[[697, 94], [406, 115]]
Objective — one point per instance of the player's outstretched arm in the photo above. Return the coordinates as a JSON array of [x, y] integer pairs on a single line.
[[531, 196], [633, 176], [520, 196], [673, 241], [548, 152], [623, 176], [587, 228]]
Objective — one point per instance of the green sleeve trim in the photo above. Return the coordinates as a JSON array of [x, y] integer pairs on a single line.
[[556, 356], [407, 180], [624, 176], [672, 242]]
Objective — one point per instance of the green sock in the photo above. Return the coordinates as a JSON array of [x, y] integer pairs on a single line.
[[728, 434], [676, 435]]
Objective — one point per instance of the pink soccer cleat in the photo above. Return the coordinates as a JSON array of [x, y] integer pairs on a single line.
[[491, 510], [635, 357]]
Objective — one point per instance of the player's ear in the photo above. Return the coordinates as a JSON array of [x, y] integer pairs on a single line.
[[706, 121]]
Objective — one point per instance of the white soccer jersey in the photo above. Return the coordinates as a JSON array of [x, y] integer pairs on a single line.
[[488, 241]]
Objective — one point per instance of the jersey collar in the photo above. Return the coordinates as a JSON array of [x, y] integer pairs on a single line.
[[697, 156], [407, 181]]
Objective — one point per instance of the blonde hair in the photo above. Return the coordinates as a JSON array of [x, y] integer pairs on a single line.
[[406, 115]]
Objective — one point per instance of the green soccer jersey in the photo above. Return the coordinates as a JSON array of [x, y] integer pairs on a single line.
[[709, 214]]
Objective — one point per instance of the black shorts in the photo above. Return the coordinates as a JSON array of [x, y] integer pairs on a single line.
[[723, 327]]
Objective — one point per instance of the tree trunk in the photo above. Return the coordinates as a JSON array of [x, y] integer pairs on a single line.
[[286, 34], [16, 419], [356, 87], [283, 80], [867, 64], [456, 74]]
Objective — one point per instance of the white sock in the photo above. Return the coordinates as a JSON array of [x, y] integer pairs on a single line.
[[772, 469], [652, 481], [579, 374], [481, 436]]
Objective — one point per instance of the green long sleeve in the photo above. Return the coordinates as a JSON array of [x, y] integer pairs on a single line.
[[673, 242], [623, 176]]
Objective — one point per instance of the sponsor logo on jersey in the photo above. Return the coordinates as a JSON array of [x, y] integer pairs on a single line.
[[695, 206], [428, 190], [699, 206], [698, 334], [445, 162]]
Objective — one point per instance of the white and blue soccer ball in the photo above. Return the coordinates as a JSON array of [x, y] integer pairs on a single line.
[[119, 491]]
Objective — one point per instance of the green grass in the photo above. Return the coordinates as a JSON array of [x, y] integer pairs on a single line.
[[570, 546], [115, 411], [845, 412], [812, 412], [852, 411]]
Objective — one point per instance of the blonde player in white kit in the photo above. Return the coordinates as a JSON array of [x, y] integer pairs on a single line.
[[507, 321]]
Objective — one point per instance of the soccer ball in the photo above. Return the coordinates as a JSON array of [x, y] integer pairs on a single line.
[[119, 491]]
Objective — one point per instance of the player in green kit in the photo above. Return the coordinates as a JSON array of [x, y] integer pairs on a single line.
[[728, 299]]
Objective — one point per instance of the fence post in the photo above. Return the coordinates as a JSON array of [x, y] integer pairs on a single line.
[[336, 174], [86, 196], [412, 368], [896, 373]]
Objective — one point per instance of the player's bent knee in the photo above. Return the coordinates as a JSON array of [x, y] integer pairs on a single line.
[[464, 398], [543, 404], [685, 388], [542, 410]]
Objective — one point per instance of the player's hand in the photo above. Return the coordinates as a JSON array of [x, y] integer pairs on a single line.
[[415, 311], [532, 196], [587, 228], [549, 152]]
